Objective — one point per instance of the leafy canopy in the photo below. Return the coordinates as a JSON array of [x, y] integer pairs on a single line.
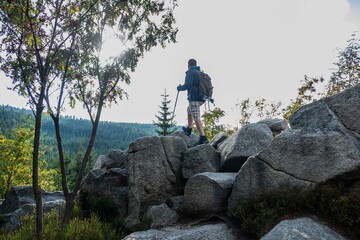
[[55, 45]]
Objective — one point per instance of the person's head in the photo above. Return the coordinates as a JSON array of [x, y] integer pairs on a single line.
[[192, 63]]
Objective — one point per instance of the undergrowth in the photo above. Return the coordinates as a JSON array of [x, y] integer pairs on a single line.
[[331, 203], [257, 215], [80, 227]]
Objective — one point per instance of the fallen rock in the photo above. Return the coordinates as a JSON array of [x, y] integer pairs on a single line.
[[218, 139], [11, 221], [276, 125], [19, 196], [20, 201], [115, 159], [175, 202], [346, 106], [199, 159], [189, 140], [16, 197], [248, 141], [161, 215], [302, 229], [207, 193], [218, 231]]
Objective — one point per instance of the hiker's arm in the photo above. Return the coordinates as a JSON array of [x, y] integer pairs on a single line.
[[188, 82], [181, 87]]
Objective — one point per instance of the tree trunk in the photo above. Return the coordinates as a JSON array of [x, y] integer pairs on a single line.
[[71, 196], [8, 182], [69, 205], [35, 177]]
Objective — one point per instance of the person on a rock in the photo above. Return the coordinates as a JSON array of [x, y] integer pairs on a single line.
[[195, 100]]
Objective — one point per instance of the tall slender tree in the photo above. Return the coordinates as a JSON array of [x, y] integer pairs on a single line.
[[165, 122], [52, 54]]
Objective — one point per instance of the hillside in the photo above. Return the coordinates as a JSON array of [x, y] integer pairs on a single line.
[[76, 132]]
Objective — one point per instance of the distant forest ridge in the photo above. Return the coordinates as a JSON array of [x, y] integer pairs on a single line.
[[76, 132]]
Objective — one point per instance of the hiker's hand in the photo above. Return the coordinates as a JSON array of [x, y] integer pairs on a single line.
[[179, 87]]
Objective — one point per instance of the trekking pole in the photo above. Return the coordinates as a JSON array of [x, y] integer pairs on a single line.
[[177, 95]]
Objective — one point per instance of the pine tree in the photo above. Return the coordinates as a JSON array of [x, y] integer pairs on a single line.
[[165, 123]]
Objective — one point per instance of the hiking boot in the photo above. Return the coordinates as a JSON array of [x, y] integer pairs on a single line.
[[202, 140], [187, 130]]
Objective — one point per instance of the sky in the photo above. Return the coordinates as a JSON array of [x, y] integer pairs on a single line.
[[250, 48]]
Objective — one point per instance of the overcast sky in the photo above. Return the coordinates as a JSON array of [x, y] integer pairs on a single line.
[[251, 49]]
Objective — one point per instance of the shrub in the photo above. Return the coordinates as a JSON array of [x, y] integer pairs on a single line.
[[346, 212], [77, 229], [102, 206], [331, 203], [27, 229], [101, 222], [88, 229]]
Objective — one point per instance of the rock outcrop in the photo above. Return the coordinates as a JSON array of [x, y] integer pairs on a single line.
[[321, 146], [299, 157], [161, 178], [154, 173], [112, 185]]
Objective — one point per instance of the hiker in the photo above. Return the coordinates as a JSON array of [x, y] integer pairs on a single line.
[[195, 101]]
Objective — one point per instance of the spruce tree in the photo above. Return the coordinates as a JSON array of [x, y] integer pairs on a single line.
[[165, 123]]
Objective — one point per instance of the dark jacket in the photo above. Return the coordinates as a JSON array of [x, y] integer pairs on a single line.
[[192, 84]]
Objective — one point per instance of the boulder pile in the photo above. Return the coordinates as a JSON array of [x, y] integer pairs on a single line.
[[161, 179]]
